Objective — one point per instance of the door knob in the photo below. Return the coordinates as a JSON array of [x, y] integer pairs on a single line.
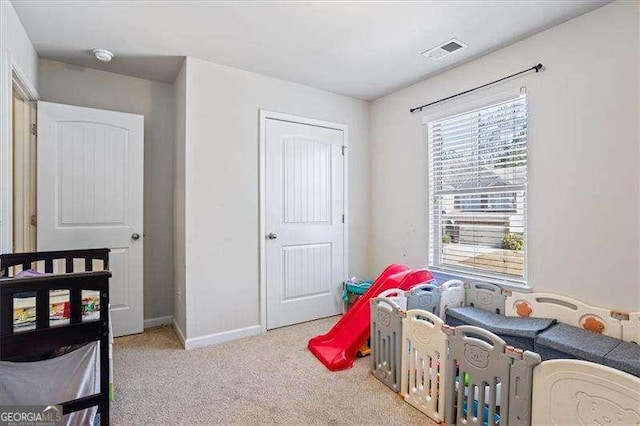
[[135, 236], [272, 236]]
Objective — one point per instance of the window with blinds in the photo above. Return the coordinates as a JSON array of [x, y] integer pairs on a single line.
[[478, 191]]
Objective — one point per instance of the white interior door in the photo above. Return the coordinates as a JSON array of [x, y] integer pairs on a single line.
[[90, 192], [304, 207]]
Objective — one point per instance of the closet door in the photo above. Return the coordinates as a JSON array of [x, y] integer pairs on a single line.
[[304, 205]]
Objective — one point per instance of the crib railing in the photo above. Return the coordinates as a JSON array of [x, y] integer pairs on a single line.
[[10, 261], [45, 338]]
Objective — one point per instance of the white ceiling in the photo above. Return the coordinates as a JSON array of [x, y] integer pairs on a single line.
[[359, 49]]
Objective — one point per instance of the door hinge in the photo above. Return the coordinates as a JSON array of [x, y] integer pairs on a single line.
[[34, 129], [33, 220], [342, 218], [344, 148]]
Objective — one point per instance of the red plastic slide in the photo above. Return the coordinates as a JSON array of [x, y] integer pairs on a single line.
[[337, 349]]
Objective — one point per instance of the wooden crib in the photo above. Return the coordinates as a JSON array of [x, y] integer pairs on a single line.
[[61, 272]]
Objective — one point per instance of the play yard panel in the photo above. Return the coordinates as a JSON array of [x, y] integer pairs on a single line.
[[565, 310], [424, 347], [386, 341], [425, 297], [476, 365], [486, 381], [631, 328], [452, 294], [580, 392], [486, 296]]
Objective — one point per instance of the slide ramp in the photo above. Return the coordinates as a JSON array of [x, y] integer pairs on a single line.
[[337, 349]]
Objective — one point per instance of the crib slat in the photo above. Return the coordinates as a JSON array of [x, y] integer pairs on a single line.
[[88, 264], [104, 356], [42, 309], [26, 265], [68, 264], [6, 314], [75, 300], [48, 266]]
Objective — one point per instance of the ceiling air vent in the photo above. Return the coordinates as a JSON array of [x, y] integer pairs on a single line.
[[444, 49]]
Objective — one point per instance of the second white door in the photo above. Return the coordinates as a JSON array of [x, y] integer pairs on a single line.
[[304, 207]]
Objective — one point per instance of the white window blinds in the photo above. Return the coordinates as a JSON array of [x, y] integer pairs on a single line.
[[478, 191]]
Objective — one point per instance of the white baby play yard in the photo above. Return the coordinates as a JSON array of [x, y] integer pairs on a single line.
[[452, 355]]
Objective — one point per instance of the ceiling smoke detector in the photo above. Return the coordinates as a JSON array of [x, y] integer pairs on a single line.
[[103, 55], [445, 49]]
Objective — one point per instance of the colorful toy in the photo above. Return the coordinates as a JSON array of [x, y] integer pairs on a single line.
[[485, 415], [24, 311], [352, 290]]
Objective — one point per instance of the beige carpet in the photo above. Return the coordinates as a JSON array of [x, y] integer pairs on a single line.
[[271, 378]]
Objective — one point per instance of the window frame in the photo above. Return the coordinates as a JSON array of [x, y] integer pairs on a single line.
[[462, 106]]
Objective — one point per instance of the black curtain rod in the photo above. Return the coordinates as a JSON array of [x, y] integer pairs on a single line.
[[535, 68]]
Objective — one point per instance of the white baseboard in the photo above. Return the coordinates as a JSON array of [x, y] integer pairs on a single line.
[[156, 322], [179, 332], [239, 333]]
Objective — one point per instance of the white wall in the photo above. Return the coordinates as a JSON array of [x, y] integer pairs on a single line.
[[179, 252], [584, 233], [70, 84], [16, 43], [15, 51], [222, 187]]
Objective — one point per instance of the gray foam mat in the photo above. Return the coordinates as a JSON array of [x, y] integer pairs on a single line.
[[516, 331], [499, 324], [566, 341], [625, 357]]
